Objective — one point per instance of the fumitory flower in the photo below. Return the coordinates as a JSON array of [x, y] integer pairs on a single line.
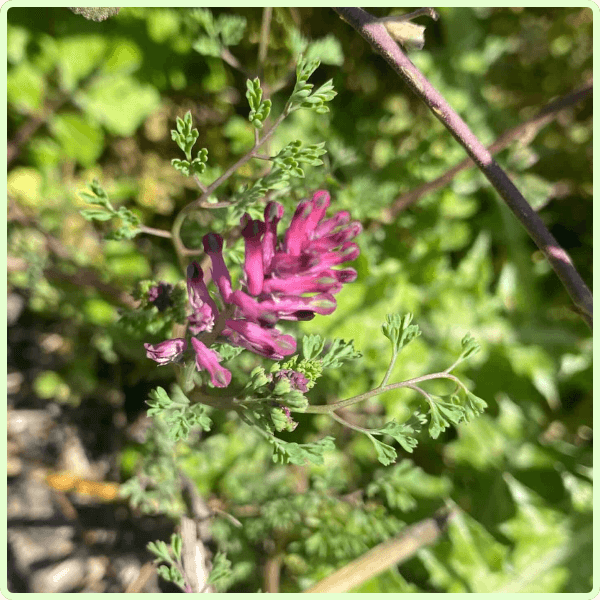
[[289, 279], [167, 351]]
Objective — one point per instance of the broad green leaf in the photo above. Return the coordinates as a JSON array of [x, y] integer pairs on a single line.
[[78, 56], [81, 139], [119, 102], [123, 56], [163, 24], [207, 46], [25, 88], [328, 50], [17, 39]]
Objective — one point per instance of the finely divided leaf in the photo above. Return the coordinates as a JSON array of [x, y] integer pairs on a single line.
[[339, 352], [385, 453]]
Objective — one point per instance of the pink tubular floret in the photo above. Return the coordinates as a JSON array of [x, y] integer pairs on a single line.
[[167, 351], [213, 246], [253, 262], [208, 360], [269, 343]]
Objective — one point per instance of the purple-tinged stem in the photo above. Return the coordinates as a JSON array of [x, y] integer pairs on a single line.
[[376, 34]]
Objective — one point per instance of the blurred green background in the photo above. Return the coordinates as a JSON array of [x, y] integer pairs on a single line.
[[98, 100]]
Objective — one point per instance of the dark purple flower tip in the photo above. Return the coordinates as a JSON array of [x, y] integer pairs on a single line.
[[298, 381], [297, 308], [204, 309], [252, 228], [212, 243], [346, 275], [160, 296], [167, 351], [269, 343], [194, 272], [208, 360]]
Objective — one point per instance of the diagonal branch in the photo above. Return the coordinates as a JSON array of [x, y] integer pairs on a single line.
[[376, 34], [525, 131]]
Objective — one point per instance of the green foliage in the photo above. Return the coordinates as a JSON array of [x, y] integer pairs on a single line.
[[519, 476], [186, 137], [108, 97], [338, 352], [303, 96], [25, 88], [225, 30], [147, 319], [443, 413], [98, 197], [180, 416], [403, 483], [400, 331], [221, 572], [299, 454], [259, 108], [80, 139], [156, 486], [171, 555], [289, 158]]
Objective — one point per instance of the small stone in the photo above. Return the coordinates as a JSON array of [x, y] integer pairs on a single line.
[[62, 577], [34, 544]]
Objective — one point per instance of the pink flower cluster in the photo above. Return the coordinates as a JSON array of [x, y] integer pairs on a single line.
[[292, 279]]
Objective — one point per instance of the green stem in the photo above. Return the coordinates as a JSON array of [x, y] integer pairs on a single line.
[[153, 231], [329, 408], [201, 201], [348, 424], [389, 371], [421, 391], [199, 184]]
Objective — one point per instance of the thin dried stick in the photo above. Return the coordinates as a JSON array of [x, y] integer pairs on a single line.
[[376, 34], [264, 35], [383, 556], [137, 585]]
